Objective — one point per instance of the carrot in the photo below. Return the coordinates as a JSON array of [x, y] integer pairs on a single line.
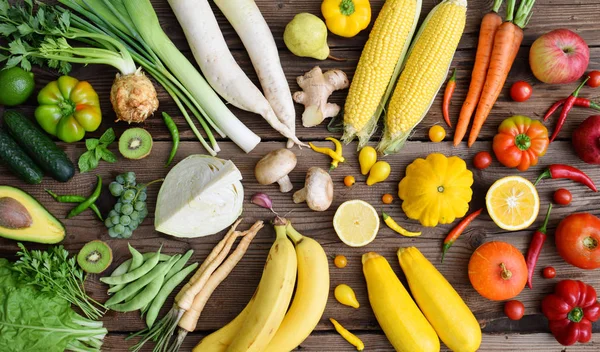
[[507, 41], [487, 31], [450, 88]]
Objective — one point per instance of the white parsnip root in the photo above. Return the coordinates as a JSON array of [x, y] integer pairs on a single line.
[[316, 89]]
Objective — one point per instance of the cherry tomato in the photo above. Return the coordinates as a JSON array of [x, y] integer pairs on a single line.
[[514, 309], [594, 80], [521, 91], [437, 133], [340, 261], [549, 272], [562, 196], [349, 181], [482, 160]]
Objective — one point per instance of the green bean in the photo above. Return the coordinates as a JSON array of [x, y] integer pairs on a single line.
[[131, 289], [134, 274], [179, 265], [137, 258], [74, 199], [172, 127], [124, 268], [164, 292], [143, 297], [89, 201]]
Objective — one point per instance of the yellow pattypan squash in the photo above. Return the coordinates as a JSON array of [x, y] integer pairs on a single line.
[[436, 189]]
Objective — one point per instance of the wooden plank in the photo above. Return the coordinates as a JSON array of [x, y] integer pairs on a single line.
[[332, 342], [101, 77], [232, 295]]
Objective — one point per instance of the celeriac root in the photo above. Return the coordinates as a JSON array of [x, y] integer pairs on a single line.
[[133, 97], [316, 89]]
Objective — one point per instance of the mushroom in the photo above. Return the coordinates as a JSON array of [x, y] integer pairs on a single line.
[[317, 191], [275, 167]]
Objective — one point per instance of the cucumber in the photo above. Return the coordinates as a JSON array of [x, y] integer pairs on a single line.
[[39, 146], [17, 161]]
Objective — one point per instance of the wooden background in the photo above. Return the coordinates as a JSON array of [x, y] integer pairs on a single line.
[[500, 334]]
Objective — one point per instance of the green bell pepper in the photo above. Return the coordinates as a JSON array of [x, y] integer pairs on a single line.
[[68, 109]]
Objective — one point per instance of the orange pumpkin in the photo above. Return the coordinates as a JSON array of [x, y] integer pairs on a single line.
[[497, 270]]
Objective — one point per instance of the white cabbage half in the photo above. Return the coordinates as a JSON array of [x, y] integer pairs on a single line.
[[200, 196]]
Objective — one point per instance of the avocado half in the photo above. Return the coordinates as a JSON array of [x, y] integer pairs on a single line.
[[43, 227]]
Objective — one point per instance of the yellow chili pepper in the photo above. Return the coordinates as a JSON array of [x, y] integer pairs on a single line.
[[350, 337], [392, 224], [346, 17], [335, 155]]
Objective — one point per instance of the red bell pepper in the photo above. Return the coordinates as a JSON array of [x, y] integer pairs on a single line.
[[571, 310]]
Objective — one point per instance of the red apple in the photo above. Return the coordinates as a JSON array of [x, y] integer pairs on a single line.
[[586, 140], [559, 56]]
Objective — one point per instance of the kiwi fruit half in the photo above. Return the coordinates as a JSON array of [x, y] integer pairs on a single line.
[[135, 143], [95, 257]]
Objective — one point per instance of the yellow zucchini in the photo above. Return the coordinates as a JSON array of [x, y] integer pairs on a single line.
[[401, 320], [446, 311]]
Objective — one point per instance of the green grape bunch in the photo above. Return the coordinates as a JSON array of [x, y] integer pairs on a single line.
[[131, 209]]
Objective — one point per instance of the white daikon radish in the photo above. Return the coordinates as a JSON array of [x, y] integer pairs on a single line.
[[248, 22], [218, 65]]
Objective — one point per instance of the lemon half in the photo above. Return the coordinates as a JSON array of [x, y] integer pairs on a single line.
[[356, 223], [513, 203]]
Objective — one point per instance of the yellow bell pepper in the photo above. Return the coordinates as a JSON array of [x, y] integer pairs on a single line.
[[436, 189], [346, 17]]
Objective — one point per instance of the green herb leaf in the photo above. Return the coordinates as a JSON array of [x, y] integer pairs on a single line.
[[84, 161], [7, 29], [108, 137], [13, 61], [93, 162], [91, 143], [108, 156]]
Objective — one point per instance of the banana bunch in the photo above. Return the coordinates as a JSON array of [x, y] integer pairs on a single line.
[[266, 324]]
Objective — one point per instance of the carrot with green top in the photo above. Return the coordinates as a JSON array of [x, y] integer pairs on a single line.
[[507, 41], [450, 88], [487, 31], [457, 231]]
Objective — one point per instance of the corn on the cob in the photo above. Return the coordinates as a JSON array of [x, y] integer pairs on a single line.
[[424, 72], [378, 67]]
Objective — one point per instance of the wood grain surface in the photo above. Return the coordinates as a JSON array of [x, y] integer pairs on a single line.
[[500, 334]]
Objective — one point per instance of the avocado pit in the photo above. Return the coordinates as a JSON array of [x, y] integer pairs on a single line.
[[13, 215]]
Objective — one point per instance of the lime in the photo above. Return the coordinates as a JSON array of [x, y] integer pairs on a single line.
[[16, 85]]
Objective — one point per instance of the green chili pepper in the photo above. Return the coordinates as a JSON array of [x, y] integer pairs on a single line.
[[172, 127], [88, 202], [74, 199]]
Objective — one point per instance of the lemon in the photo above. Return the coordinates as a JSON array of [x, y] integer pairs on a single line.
[[513, 203], [16, 85], [356, 223]]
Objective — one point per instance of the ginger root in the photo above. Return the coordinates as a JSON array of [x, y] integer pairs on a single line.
[[316, 89]]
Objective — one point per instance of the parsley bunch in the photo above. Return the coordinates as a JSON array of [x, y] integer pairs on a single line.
[[97, 149], [53, 271]]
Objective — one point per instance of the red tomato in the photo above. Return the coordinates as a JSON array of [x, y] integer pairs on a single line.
[[514, 310], [521, 91], [549, 272], [594, 80], [562, 196], [482, 160], [577, 239]]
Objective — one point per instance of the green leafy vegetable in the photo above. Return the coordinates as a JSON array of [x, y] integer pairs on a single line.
[[97, 149], [53, 271], [34, 320]]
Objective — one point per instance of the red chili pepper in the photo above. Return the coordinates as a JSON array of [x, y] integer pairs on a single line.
[[458, 230], [570, 311], [565, 171], [580, 102], [569, 103], [450, 87], [535, 247]]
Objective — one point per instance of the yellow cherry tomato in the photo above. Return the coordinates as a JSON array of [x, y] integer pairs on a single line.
[[340, 261], [437, 133], [345, 295], [367, 158], [349, 181], [387, 198], [379, 172]]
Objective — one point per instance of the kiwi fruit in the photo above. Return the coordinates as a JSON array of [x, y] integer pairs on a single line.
[[95, 257], [135, 143]]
